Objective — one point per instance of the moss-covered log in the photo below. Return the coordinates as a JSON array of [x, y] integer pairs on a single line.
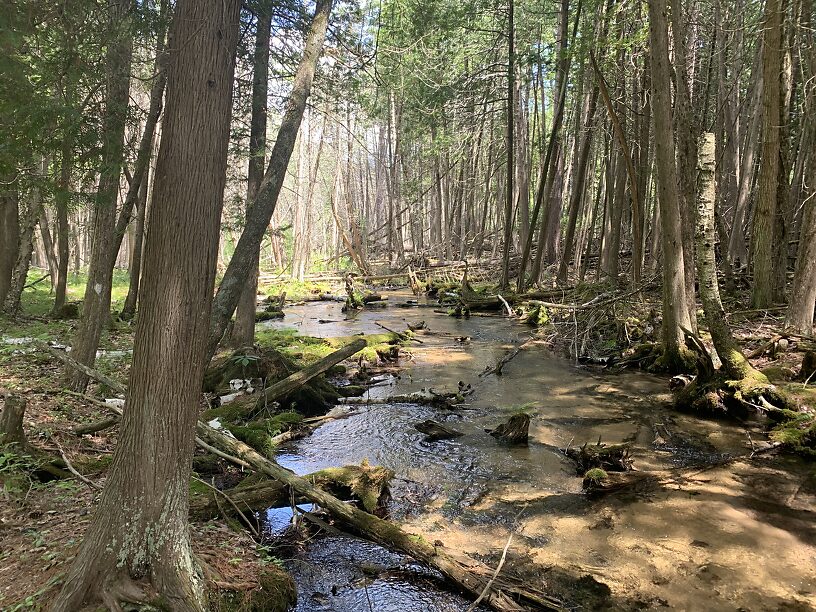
[[366, 483]]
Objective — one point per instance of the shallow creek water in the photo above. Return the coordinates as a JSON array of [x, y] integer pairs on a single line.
[[738, 536]]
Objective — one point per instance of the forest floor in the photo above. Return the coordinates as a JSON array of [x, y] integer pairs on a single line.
[[42, 522]]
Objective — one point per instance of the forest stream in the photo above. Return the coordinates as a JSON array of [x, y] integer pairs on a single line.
[[718, 530]]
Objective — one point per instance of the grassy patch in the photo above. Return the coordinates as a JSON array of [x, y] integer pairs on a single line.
[[295, 290]]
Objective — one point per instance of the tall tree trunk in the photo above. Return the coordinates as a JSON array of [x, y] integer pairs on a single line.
[[27, 226], [9, 236], [511, 145], [135, 269], [803, 298], [96, 304], [240, 266], [243, 332], [62, 201], [764, 234], [686, 149], [734, 362], [48, 247], [675, 311], [583, 144], [140, 527]]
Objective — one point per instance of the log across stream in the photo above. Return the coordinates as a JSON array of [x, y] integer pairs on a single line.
[[698, 539]]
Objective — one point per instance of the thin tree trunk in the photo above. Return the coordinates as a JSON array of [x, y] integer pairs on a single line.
[[27, 227], [9, 236], [243, 332], [48, 247], [734, 362], [135, 268], [140, 527], [62, 201], [96, 304], [511, 145]]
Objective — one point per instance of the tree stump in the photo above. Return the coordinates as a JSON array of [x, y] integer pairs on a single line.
[[613, 458], [514, 431], [437, 431], [11, 421], [808, 371]]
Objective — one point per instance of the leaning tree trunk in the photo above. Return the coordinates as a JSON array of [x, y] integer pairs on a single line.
[[243, 332], [675, 312], [140, 528], [96, 304], [240, 266]]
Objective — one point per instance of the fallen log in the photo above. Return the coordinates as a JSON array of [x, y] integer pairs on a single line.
[[368, 484], [506, 595], [436, 431], [598, 482], [507, 358], [89, 372], [514, 431]]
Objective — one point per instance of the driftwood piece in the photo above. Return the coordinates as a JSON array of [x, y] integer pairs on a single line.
[[434, 431], [11, 421], [507, 358], [514, 431], [613, 458], [598, 482]]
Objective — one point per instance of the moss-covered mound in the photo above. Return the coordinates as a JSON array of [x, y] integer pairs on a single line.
[[275, 592]]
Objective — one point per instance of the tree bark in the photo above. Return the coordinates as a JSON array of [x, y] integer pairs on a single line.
[[135, 268], [62, 201], [243, 332], [511, 146], [25, 244], [675, 311], [240, 266], [734, 362], [801, 310], [11, 421], [9, 237], [140, 528], [765, 230], [685, 148], [48, 247], [96, 304]]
